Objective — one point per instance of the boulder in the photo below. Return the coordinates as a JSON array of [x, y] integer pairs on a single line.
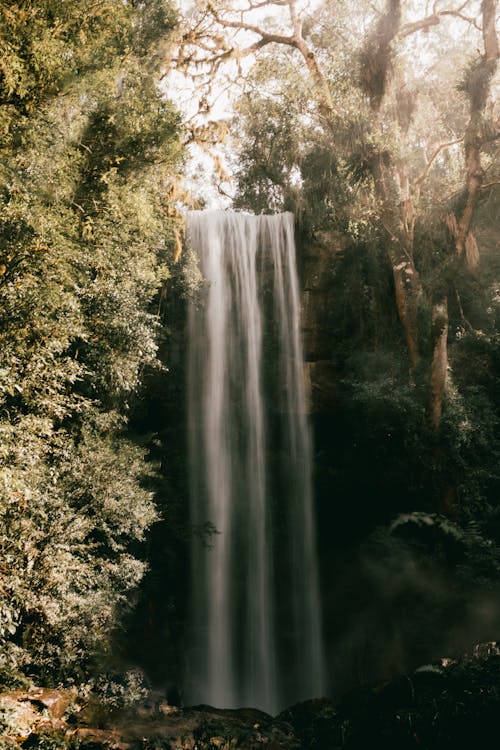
[[208, 728]]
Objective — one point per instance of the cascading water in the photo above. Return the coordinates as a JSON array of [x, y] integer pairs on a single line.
[[256, 625]]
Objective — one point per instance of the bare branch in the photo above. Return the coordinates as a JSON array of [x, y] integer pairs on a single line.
[[460, 9], [264, 4], [296, 21], [208, 35], [424, 23], [435, 19], [457, 14], [266, 36], [418, 182]]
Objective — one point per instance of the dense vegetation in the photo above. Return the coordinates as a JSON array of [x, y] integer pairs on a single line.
[[88, 148]]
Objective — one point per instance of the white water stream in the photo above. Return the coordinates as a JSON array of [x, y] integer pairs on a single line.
[[256, 622]]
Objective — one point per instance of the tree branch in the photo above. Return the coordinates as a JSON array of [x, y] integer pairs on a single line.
[[296, 21], [267, 37], [419, 180], [424, 23], [264, 4], [435, 19], [457, 14]]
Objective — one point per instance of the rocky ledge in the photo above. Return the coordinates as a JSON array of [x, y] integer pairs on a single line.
[[442, 706], [41, 718]]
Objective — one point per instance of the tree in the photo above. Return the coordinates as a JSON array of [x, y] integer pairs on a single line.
[[88, 148], [368, 123]]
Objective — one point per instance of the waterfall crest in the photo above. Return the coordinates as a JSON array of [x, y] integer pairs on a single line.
[[255, 614]]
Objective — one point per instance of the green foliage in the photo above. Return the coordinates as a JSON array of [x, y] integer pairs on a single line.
[[46, 46], [326, 173], [474, 558], [53, 740], [88, 146], [66, 528], [282, 164], [9, 725], [433, 707], [270, 155], [363, 316], [115, 691], [476, 82]]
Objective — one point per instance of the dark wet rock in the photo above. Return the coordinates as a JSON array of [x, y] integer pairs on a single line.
[[152, 726], [208, 728], [321, 389], [313, 721], [317, 324], [447, 705], [100, 739]]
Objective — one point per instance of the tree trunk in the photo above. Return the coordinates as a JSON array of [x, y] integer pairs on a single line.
[[439, 365], [392, 186], [478, 87]]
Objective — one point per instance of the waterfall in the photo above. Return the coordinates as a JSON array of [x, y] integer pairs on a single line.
[[255, 614]]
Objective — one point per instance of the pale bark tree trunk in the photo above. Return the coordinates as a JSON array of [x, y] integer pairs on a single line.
[[397, 219], [460, 226], [478, 89], [438, 382], [392, 185]]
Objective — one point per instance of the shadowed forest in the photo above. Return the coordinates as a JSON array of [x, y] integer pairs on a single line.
[[376, 124]]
